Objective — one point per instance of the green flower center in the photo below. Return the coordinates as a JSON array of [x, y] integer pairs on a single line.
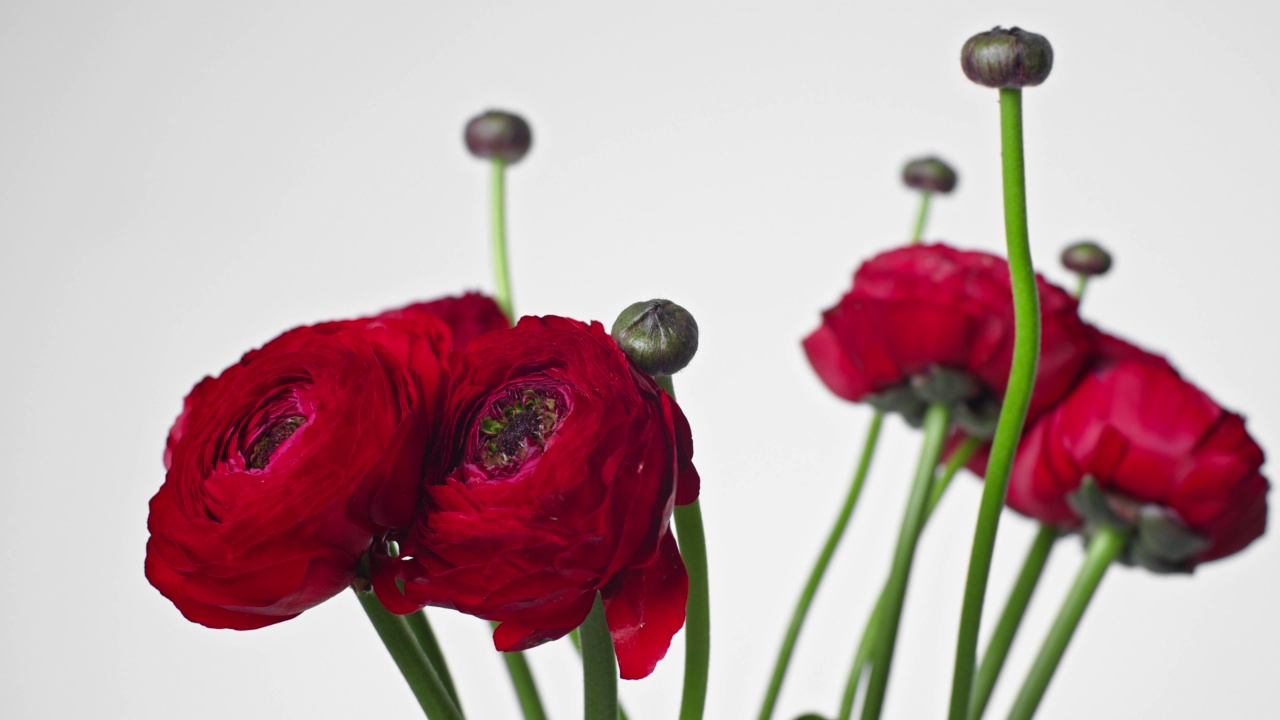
[[266, 445], [517, 427]]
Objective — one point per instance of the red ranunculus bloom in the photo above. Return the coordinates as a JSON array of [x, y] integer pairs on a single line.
[[282, 470], [929, 323], [566, 463], [1163, 458]]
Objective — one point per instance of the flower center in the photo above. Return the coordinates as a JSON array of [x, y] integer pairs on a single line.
[[266, 445], [517, 427]]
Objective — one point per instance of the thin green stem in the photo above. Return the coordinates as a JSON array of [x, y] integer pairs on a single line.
[[1010, 618], [936, 421], [958, 459], [501, 272], [577, 646], [522, 682], [921, 218], [599, 667], [697, 619], [820, 568], [426, 638], [1104, 546], [413, 663], [942, 480], [1082, 281], [1017, 397]]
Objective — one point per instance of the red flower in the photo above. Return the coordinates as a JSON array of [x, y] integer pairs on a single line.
[[566, 464], [282, 470], [1163, 457], [930, 323]]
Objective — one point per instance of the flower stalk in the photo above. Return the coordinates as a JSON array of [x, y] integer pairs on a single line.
[[1105, 545], [1017, 397], [599, 666], [501, 270], [936, 422], [820, 568], [422, 632], [409, 657], [1010, 618]]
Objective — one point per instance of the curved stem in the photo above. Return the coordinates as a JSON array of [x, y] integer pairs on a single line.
[[501, 273], [413, 664], [599, 667], [526, 689], [820, 568], [426, 638], [1017, 397], [921, 218], [1104, 546], [1010, 618], [958, 459], [697, 619], [936, 420]]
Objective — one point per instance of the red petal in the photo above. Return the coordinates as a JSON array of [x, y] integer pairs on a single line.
[[647, 610]]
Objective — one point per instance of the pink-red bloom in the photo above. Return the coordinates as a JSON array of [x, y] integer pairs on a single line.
[[564, 463], [931, 323], [1136, 445], [283, 469]]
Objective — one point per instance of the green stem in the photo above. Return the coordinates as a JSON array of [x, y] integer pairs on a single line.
[[941, 482], [958, 459], [820, 568], [1017, 396], [501, 273], [522, 682], [921, 218], [1082, 282], [697, 619], [413, 663], [936, 421], [1104, 546], [577, 646], [426, 638], [1010, 618], [599, 667]]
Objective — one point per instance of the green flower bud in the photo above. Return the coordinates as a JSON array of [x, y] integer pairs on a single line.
[[1011, 58], [498, 134], [1086, 258], [929, 175], [658, 335]]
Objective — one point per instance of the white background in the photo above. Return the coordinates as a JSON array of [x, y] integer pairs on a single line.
[[180, 182]]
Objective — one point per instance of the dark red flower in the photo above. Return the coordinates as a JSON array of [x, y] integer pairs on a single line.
[[929, 323], [1137, 445], [566, 463], [282, 470]]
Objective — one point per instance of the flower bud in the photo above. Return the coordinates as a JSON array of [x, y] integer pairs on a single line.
[[1011, 58], [929, 175], [658, 335], [1086, 258], [498, 134]]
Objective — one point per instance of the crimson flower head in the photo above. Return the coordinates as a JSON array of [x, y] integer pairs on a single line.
[[563, 464], [283, 469], [1137, 446], [932, 324]]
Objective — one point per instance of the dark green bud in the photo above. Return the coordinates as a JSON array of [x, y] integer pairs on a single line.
[[1012, 58], [658, 335], [929, 175], [1086, 258], [498, 134]]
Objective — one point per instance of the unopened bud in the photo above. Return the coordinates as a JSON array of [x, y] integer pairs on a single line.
[[929, 175], [498, 134], [658, 335], [1086, 258], [1012, 58]]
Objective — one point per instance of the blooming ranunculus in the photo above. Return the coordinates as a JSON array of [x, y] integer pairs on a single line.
[[565, 463], [1135, 444], [283, 469], [929, 323]]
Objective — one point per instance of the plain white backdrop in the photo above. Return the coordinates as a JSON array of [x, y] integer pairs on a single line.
[[179, 182]]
